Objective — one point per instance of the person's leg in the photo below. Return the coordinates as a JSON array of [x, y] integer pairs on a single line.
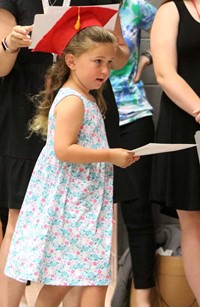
[[93, 296], [137, 214], [73, 297], [51, 296], [190, 244], [10, 289], [138, 222]]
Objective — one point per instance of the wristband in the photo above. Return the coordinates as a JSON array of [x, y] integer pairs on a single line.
[[6, 48], [149, 56]]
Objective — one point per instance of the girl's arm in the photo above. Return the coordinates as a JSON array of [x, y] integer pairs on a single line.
[[69, 116], [163, 46], [16, 37]]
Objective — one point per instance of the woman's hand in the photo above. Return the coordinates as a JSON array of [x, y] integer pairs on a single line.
[[122, 157], [143, 62], [197, 115], [19, 37]]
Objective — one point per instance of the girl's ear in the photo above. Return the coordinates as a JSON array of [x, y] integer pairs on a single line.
[[70, 61]]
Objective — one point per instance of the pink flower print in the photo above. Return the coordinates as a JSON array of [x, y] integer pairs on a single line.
[[43, 200], [36, 273], [57, 209], [94, 263]]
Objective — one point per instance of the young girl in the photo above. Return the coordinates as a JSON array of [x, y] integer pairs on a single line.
[[63, 235]]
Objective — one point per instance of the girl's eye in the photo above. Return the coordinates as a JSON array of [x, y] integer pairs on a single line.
[[98, 61], [110, 62]]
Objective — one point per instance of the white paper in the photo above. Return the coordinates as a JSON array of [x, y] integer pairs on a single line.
[[197, 140], [44, 22], [155, 148]]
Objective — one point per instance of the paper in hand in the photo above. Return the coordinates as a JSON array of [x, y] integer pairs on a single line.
[[197, 139], [155, 148]]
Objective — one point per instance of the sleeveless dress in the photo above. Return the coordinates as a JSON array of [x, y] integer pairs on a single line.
[[63, 234], [176, 176]]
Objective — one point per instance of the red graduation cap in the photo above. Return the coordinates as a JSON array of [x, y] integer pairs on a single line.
[[74, 19]]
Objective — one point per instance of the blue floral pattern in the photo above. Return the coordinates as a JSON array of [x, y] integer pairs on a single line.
[[63, 234]]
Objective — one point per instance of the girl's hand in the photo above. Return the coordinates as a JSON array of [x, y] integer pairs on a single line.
[[19, 37], [121, 157]]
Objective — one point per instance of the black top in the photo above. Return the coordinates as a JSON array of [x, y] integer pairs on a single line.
[[176, 176], [25, 80]]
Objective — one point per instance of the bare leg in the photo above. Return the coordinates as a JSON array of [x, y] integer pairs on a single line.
[[10, 289], [93, 296], [143, 297], [51, 296], [31, 293], [190, 221], [73, 297]]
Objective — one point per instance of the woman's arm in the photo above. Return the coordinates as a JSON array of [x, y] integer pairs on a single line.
[[15, 37], [163, 47], [122, 52]]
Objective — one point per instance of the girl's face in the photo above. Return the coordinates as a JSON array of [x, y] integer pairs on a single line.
[[92, 68]]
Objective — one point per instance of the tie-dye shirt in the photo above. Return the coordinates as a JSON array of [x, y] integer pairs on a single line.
[[135, 16]]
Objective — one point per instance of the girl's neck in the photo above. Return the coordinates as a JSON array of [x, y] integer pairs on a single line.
[[77, 85]]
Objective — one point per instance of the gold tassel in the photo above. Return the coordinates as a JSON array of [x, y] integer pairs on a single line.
[[78, 22]]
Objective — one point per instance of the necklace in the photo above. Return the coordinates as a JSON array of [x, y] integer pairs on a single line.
[[51, 3], [195, 6]]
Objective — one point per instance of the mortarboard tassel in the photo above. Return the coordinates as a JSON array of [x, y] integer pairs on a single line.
[[78, 22]]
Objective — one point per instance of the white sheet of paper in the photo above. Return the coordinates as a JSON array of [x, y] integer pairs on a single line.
[[197, 140], [155, 148], [44, 22]]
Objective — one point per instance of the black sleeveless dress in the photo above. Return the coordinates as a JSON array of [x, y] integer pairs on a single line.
[[18, 153], [176, 176]]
